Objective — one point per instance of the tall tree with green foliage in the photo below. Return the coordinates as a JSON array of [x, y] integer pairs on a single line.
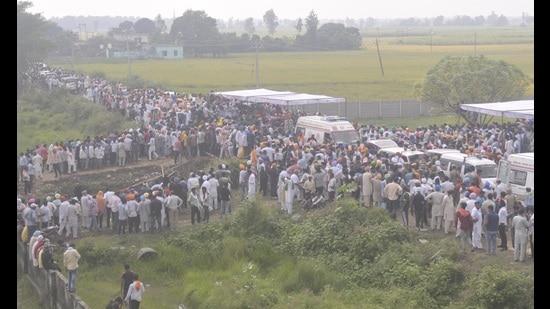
[[312, 23], [249, 26], [299, 25], [474, 79], [196, 31], [32, 45], [271, 21], [144, 25]]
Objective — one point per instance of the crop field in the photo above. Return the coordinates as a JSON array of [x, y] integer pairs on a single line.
[[383, 72]]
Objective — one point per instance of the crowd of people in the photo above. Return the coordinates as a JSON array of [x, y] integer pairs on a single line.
[[275, 163]]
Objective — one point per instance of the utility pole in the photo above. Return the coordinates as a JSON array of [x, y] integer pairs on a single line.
[[379, 57]]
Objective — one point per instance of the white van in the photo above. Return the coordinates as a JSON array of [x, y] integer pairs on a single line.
[[409, 156], [518, 172], [327, 128], [436, 153], [470, 164]]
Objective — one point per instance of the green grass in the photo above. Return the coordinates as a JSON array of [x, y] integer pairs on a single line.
[[355, 75]]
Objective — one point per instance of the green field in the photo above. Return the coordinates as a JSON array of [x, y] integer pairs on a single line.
[[405, 56]]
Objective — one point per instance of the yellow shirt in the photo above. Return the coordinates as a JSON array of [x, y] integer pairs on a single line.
[[70, 259]]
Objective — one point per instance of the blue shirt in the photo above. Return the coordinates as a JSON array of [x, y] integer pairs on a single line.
[[492, 222]]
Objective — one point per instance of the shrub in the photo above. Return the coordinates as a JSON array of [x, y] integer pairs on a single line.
[[496, 288]]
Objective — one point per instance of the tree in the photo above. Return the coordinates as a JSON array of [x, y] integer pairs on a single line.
[[338, 37], [160, 35], [249, 26], [32, 44], [144, 25], [474, 79], [299, 25], [312, 22], [271, 21], [197, 31]]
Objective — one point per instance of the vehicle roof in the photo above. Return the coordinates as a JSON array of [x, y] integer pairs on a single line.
[[383, 143], [442, 150], [393, 150], [469, 159]]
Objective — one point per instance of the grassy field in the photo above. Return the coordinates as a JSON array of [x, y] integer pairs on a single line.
[[405, 57]]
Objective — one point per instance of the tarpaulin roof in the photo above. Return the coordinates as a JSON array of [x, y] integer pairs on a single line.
[[278, 97], [512, 109], [246, 95], [297, 99]]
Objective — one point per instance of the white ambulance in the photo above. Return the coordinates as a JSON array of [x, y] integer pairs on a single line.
[[518, 172], [327, 128]]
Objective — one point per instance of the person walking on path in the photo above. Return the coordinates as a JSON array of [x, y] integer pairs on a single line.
[[70, 261], [135, 291], [126, 278], [491, 230], [521, 227]]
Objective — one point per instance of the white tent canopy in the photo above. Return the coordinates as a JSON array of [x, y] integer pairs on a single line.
[[297, 99], [513, 109], [246, 95]]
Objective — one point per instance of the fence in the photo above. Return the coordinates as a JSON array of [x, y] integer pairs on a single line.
[[49, 284], [372, 109]]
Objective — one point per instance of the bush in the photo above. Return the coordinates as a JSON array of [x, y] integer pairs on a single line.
[[496, 288]]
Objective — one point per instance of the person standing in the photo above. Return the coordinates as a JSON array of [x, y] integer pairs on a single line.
[[502, 223], [243, 181], [448, 211], [37, 161], [72, 218], [176, 149], [156, 211], [193, 202], [419, 206], [126, 278], [466, 223], [225, 197], [478, 225], [436, 199], [367, 187], [122, 216], [393, 191], [521, 227], [251, 184], [145, 212], [132, 208], [491, 223], [85, 202], [62, 211], [115, 202], [101, 207], [135, 291], [70, 261]]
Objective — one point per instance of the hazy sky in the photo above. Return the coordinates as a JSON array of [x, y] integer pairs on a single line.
[[284, 9]]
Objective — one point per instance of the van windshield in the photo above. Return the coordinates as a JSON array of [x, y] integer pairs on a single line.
[[345, 137], [487, 171]]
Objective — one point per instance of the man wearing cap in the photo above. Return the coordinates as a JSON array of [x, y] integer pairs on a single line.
[[156, 212]]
